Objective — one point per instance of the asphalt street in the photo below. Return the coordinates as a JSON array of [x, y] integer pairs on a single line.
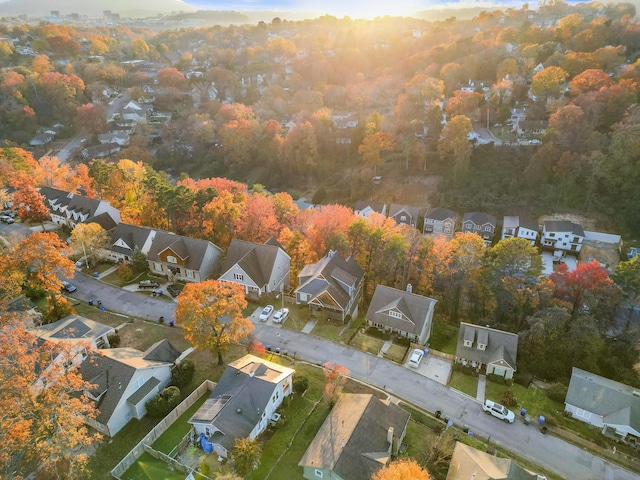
[[562, 458]]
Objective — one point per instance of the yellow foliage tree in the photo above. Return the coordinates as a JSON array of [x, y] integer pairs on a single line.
[[404, 469]]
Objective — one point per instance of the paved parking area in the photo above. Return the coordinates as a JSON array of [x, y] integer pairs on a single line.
[[435, 368]]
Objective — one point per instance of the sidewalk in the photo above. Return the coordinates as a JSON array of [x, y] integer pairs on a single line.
[[482, 385]]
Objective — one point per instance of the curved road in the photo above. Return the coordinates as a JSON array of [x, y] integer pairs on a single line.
[[564, 459]]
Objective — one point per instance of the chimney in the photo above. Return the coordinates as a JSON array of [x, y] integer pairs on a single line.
[[409, 288], [390, 435], [251, 373]]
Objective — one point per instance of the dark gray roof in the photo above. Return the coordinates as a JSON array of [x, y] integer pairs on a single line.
[[502, 347], [328, 275], [73, 327], [395, 209], [131, 235], [352, 441], [479, 218], [439, 213], [143, 391], [375, 206], [162, 351], [73, 202], [255, 259], [414, 308], [563, 226], [105, 220], [613, 400]]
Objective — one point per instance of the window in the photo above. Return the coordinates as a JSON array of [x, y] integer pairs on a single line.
[[583, 414], [139, 383], [481, 346], [172, 259], [447, 229], [576, 240], [403, 218], [238, 276], [318, 473], [468, 343], [394, 314], [487, 228], [190, 274], [574, 247], [303, 297], [552, 234]]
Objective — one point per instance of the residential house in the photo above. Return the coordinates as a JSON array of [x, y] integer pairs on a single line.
[[440, 221], [520, 227], [531, 129], [135, 112], [538, 68], [70, 209], [481, 223], [100, 151], [402, 312], [123, 381], [485, 348], [258, 268], [76, 329], [41, 139], [120, 138], [243, 402], [332, 285], [360, 435], [611, 406], [470, 463], [174, 256], [404, 214], [364, 208], [25, 309], [562, 236]]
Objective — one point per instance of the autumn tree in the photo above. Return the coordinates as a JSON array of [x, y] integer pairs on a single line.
[[31, 205], [463, 103], [402, 469], [300, 149], [246, 454], [372, 146], [336, 376], [91, 117], [627, 277], [258, 222], [211, 315], [89, 239], [454, 146], [547, 82]]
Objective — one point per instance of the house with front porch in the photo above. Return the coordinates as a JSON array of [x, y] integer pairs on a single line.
[[259, 268], [606, 404], [487, 349], [242, 404], [401, 312], [332, 285]]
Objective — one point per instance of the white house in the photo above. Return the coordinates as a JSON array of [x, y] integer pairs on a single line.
[[520, 227], [364, 208], [243, 402], [76, 329], [69, 209], [562, 236]]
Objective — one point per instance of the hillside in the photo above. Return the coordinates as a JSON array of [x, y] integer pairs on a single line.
[[139, 8]]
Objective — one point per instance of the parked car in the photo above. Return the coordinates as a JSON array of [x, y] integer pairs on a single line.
[[415, 358], [7, 219], [175, 289], [281, 315], [266, 313], [148, 284], [69, 287], [498, 411]]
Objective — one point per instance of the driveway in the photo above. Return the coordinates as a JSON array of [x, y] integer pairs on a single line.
[[435, 368]]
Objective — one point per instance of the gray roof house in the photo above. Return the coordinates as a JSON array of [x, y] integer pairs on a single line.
[[242, 403], [258, 268], [402, 312], [440, 221], [168, 254], [358, 437], [404, 214], [470, 463], [70, 209], [364, 208], [612, 406], [332, 285], [562, 236], [481, 223], [481, 347], [520, 227], [124, 380], [76, 329]]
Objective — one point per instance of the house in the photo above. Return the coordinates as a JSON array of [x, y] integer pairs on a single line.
[[123, 381], [562, 236], [168, 254], [527, 129], [332, 285], [440, 221], [242, 403], [76, 329], [41, 139], [120, 138], [359, 436], [402, 312], [258, 268], [538, 68], [468, 462], [611, 406], [70, 209], [404, 214], [100, 151], [135, 112], [481, 347], [364, 208], [520, 227], [481, 223]]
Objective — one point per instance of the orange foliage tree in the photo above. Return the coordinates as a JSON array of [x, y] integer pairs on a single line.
[[211, 315], [31, 204], [258, 222], [402, 469], [336, 376]]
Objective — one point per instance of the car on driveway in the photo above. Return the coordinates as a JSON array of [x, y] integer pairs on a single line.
[[148, 284], [69, 287], [415, 358], [266, 313], [174, 289], [280, 315], [7, 219], [499, 411]]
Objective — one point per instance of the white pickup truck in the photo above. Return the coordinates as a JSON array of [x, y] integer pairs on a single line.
[[498, 411]]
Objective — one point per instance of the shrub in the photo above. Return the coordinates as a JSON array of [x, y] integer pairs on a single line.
[[557, 392], [125, 272], [524, 379], [300, 384], [165, 402], [492, 377], [374, 332], [183, 373], [114, 340], [404, 341], [508, 398]]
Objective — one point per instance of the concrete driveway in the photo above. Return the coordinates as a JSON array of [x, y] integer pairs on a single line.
[[436, 368]]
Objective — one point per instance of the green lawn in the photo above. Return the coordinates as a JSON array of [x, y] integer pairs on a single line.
[[534, 399], [150, 468], [465, 383], [418, 439], [396, 353], [176, 432], [367, 343], [329, 329], [444, 337]]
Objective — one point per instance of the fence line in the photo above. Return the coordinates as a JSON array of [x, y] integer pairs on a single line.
[[135, 453]]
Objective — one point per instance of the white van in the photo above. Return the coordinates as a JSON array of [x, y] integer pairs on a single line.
[[498, 411], [416, 358]]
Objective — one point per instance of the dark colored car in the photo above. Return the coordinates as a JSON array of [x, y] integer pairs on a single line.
[[174, 289]]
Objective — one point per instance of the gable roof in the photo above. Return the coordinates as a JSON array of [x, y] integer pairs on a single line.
[[395, 209], [479, 218], [240, 397], [105, 220], [254, 259], [515, 221], [352, 441], [563, 226], [612, 400], [468, 462], [73, 328], [332, 274], [70, 201], [440, 213], [414, 308], [377, 207], [501, 347]]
